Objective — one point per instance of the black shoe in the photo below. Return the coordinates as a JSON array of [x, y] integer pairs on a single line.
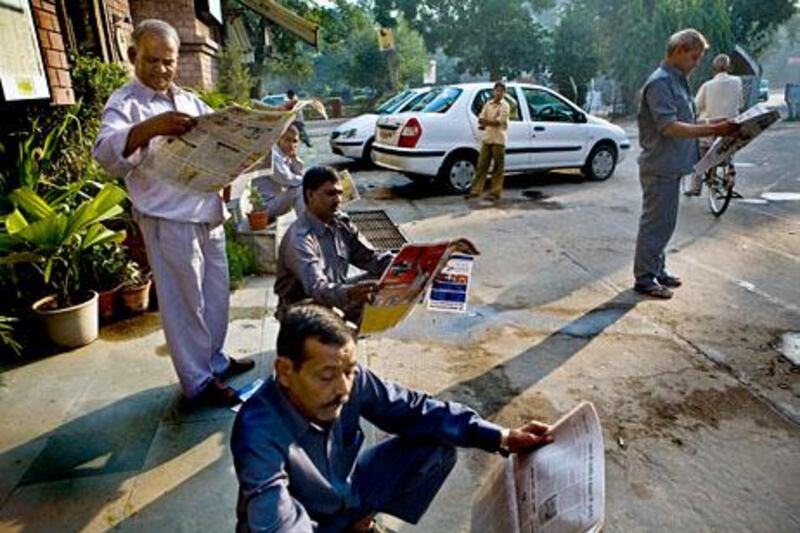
[[672, 282], [238, 366], [654, 290], [216, 394]]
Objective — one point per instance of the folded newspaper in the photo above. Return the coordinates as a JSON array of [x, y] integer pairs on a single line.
[[559, 488], [220, 148], [752, 123], [405, 280]]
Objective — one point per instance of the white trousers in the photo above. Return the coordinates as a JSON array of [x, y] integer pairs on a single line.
[[190, 270]]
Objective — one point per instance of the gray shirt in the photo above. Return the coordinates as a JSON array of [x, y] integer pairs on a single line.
[[666, 98], [293, 472], [313, 260]]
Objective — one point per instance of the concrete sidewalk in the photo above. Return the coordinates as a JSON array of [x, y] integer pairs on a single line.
[[96, 438]]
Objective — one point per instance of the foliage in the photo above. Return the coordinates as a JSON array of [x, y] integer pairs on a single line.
[[256, 199], [234, 77], [103, 267], [7, 338], [753, 22], [53, 237], [496, 37], [133, 275], [241, 259], [575, 59], [214, 99]]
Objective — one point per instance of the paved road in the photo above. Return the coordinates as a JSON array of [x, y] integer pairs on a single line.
[[699, 407]]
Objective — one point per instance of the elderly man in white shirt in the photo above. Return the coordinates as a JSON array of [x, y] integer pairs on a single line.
[[182, 229], [719, 98], [284, 188]]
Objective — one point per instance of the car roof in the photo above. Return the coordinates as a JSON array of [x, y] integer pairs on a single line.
[[489, 84]]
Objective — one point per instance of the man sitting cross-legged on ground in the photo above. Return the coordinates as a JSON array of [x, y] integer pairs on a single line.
[[297, 443]]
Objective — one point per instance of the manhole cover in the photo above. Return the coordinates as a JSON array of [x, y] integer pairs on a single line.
[[376, 226]]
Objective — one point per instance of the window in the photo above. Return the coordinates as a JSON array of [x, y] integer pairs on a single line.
[[419, 103], [391, 105], [546, 107], [484, 95], [443, 101]]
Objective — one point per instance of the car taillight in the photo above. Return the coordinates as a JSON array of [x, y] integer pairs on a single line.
[[410, 134]]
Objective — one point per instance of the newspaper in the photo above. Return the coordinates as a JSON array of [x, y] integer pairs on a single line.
[[220, 148], [405, 280], [450, 287], [559, 488], [753, 122]]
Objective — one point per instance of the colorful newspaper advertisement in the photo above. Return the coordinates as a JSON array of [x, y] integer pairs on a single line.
[[450, 287], [405, 280], [559, 488], [753, 122]]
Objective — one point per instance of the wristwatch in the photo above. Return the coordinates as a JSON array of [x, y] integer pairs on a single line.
[[504, 433]]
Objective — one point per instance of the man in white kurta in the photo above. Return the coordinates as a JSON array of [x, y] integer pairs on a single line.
[[182, 229], [283, 189]]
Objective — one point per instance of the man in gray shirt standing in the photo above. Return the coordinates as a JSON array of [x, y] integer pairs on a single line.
[[668, 136], [316, 253]]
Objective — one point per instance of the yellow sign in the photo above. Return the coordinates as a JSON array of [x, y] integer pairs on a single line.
[[385, 39]]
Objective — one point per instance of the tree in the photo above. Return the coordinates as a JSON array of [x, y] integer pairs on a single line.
[[497, 37], [576, 56], [754, 22]]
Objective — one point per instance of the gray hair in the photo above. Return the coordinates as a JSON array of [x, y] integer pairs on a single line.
[[721, 63], [690, 39], [154, 27]]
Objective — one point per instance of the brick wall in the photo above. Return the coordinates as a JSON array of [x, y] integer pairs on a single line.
[[197, 64], [51, 42]]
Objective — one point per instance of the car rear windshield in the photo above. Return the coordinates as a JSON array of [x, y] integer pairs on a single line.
[[391, 105], [443, 100]]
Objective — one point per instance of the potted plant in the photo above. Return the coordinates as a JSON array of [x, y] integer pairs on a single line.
[[104, 270], [258, 216], [135, 290], [53, 236]]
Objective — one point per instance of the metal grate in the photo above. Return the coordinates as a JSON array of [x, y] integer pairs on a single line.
[[378, 229]]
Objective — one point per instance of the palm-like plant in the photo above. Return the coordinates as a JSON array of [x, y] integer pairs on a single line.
[[53, 238]]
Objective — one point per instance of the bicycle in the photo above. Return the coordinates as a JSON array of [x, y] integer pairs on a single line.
[[718, 181]]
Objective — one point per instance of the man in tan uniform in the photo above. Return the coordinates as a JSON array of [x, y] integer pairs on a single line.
[[493, 120]]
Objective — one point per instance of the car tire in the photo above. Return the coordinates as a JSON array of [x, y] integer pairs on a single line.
[[458, 171], [601, 162], [366, 155]]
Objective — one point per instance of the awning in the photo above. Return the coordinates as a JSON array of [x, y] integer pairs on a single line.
[[285, 18]]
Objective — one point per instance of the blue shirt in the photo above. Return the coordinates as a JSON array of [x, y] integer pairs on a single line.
[[666, 98], [292, 471]]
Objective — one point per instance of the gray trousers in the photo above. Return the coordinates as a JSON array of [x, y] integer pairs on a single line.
[[660, 195], [190, 270], [398, 476]]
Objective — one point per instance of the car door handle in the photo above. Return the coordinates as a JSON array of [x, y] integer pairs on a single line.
[[538, 128]]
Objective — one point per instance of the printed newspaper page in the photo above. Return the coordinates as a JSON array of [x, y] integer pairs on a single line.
[[450, 287], [753, 122], [405, 280], [217, 150], [559, 488]]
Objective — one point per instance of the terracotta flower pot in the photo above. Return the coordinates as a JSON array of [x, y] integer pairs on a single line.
[[72, 326], [107, 303], [136, 298], [258, 220]]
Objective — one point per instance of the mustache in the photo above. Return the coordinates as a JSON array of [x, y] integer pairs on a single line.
[[337, 402]]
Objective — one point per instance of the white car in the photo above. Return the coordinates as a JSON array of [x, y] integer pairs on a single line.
[[354, 138], [547, 131]]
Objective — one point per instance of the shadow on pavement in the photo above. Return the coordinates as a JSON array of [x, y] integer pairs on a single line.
[[498, 386]]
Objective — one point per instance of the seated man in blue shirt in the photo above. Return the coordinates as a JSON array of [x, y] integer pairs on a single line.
[[297, 443]]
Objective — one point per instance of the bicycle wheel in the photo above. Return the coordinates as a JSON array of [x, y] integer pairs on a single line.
[[720, 190]]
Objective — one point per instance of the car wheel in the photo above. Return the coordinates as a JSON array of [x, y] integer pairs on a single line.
[[601, 162], [366, 156], [458, 172]]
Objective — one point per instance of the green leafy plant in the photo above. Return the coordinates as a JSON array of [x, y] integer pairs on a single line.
[[134, 275], [241, 259], [53, 237], [104, 266], [256, 199], [7, 338]]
